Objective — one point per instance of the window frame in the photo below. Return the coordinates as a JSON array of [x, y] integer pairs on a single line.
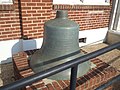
[[5, 2], [115, 16], [7, 6], [81, 2]]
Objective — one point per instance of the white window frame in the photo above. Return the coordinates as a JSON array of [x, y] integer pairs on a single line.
[[82, 2], [115, 19], [6, 1], [118, 26], [68, 2]]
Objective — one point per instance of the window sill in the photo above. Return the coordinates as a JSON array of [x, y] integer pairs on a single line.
[[6, 7], [115, 32]]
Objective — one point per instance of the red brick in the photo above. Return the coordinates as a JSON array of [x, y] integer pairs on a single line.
[[50, 86], [31, 11], [47, 8], [89, 81], [3, 36], [56, 86], [41, 4], [47, 0], [36, 8], [26, 8], [62, 84], [37, 14], [25, 0], [38, 85], [31, 4], [36, 0], [67, 82], [45, 88]]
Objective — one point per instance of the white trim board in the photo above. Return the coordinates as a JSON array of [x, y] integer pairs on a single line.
[[93, 35]]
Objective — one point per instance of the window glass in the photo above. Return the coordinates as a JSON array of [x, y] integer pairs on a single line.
[[118, 26], [82, 2], [70, 2], [6, 2], [96, 2], [116, 18]]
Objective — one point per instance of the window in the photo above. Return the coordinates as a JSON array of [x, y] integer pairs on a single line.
[[70, 2], [118, 26], [6, 5], [96, 2], [115, 16], [6, 2], [82, 2]]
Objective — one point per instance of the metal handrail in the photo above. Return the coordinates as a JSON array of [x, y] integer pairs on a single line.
[[70, 64]]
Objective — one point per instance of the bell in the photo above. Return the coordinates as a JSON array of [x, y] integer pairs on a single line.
[[60, 44]]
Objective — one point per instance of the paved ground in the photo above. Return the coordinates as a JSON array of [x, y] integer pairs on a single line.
[[6, 74], [112, 57]]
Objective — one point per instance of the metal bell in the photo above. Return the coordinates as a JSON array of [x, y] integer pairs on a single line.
[[60, 44]]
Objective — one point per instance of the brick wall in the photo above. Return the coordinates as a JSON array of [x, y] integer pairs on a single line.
[[88, 17], [9, 22], [33, 13]]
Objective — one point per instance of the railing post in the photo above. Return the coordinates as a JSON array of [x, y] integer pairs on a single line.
[[73, 77]]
